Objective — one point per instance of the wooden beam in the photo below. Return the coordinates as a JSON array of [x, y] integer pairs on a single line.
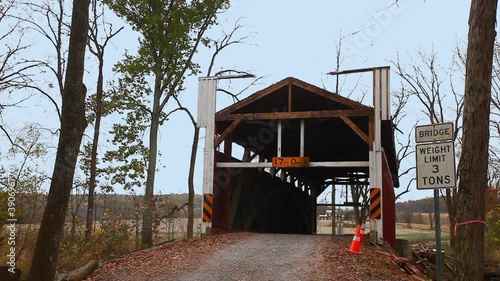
[[289, 97], [228, 148], [280, 138], [252, 156], [261, 160], [346, 204], [302, 136], [273, 171], [355, 128], [296, 115], [329, 95], [255, 96], [226, 132], [332, 164], [356, 70], [351, 182]]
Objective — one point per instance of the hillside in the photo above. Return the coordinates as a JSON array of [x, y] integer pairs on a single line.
[[32, 205], [425, 205]]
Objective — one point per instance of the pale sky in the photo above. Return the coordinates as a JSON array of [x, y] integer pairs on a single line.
[[291, 38], [299, 40]]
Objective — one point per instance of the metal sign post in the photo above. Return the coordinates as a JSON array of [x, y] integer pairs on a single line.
[[435, 170], [437, 220]]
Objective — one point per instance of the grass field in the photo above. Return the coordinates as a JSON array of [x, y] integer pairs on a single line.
[[420, 233]]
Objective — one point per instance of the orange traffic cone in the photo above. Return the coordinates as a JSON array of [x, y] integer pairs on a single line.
[[356, 242], [363, 232]]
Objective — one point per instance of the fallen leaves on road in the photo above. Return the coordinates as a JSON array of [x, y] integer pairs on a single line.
[[154, 261], [374, 262], [332, 262]]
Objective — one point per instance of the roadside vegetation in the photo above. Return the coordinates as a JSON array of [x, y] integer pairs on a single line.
[[63, 168], [116, 227]]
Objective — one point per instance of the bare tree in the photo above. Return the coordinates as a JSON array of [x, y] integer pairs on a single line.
[[97, 44], [424, 82], [45, 257], [26, 180], [494, 153], [359, 192], [14, 70], [473, 165], [432, 218], [75, 203], [408, 216], [170, 35], [359, 195], [54, 28], [217, 45], [404, 144]]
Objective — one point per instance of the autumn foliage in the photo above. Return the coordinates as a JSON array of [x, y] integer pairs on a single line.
[[492, 236]]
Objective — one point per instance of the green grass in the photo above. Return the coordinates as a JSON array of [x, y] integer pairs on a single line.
[[423, 236]]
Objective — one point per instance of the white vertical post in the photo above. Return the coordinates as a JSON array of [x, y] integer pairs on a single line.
[[376, 154], [373, 223], [384, 94], [302, 137], [207, 88]]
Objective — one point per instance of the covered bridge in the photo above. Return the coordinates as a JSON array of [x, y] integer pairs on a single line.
[[297, 139]]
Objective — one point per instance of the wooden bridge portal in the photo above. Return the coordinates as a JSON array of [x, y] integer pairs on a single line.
[[297, 139]]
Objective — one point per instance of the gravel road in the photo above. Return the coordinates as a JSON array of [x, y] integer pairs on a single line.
[[259, 257], [253, 256]]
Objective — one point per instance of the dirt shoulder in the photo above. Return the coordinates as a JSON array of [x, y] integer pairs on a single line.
[[249, 256]]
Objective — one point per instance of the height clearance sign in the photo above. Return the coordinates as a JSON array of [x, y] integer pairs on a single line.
[[435, 160]]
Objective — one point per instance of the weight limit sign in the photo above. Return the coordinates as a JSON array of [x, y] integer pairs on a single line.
[[436, 165]]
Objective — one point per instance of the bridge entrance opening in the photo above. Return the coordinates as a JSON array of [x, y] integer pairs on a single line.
[[297, 140]]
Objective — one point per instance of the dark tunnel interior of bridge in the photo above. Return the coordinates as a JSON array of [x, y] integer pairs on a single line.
[[251, 194]]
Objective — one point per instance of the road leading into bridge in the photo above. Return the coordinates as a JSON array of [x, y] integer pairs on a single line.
[[253, 256], [260, 257]]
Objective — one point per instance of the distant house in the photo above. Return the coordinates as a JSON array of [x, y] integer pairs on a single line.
[[326, 216]]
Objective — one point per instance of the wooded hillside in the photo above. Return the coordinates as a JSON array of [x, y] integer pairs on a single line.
[[169, 205], [425, 205]]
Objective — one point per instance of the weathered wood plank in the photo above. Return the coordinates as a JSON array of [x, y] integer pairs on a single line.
[[328, 95], [339, 164], [356, 70], [355, 128], [295, 115], [226, 132], [290, 97], [255, 96]]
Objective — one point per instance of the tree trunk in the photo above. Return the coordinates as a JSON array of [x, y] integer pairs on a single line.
[[471, 202], [452, 213], [355, 199], [147, 215], [409, 214], [80, 273], [194, 148], [93, 157], [45, 256]]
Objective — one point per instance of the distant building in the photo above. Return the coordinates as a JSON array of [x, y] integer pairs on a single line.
[[326, 216]]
